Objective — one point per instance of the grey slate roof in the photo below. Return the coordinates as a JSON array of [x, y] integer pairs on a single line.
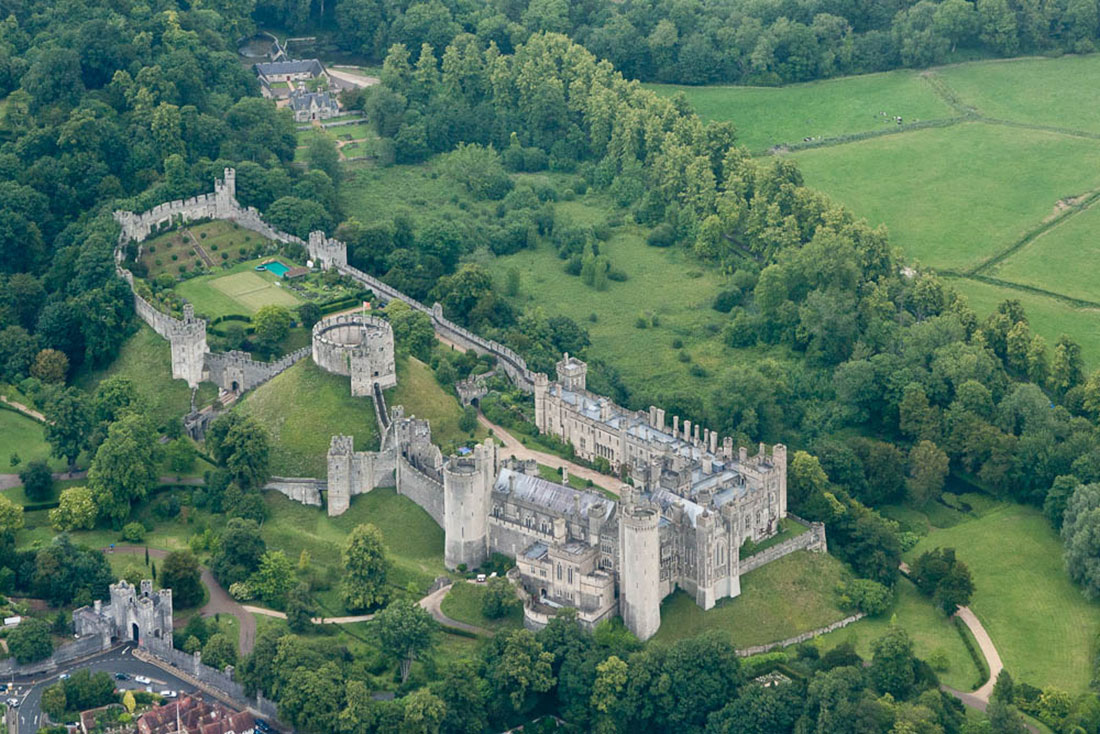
[[301, 100], [297, 66], [554, 497]]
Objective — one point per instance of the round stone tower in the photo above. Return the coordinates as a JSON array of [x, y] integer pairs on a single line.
[[467, 500], [640, 569]]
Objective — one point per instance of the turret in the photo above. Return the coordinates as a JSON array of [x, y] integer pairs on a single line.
[[187, 339], [340, 455], [572, 373], [639, 568], [327, 252], [542, 386], [467, 499]]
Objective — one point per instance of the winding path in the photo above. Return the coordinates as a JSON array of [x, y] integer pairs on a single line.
[[220, 602]]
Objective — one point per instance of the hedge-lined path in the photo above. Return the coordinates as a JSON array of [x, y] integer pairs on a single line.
[[220, 602]]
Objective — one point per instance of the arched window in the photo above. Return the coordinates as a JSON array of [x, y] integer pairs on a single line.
[[559, 572], [570, 574]]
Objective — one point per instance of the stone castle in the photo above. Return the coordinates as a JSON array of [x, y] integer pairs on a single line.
[[140, 615], [693, 502]]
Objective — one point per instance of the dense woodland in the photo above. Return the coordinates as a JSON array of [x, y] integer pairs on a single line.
[[127, 105], [730, 41]]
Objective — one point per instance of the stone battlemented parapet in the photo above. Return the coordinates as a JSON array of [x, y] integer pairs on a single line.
[[358, 346]]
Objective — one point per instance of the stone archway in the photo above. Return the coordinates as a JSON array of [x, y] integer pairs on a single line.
[[135, 632]]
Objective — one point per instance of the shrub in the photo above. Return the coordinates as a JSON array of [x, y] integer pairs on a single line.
[[641, 322], [677, 343], [697, 371], [593, 317], [726, 300], [500, 599], [683, 357], [225, 256], [214, 248], [867, 596], [133, 532], [175, 257], [202, 235], [663, 235], [152, 248]]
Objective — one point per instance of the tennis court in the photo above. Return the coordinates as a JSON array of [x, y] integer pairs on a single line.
[[252, 291]]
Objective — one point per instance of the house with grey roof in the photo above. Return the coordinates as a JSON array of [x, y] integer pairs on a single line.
[[279, 78], [308, 106]]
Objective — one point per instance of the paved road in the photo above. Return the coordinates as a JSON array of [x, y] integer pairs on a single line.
[[220, 601], [117, 660]]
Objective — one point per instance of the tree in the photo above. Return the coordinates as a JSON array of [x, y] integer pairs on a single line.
[[1081, 536], [1067, 367], [297, 216], [240, 444], [499, 599], [607, 695], [805, 478], [366, 566], [424, 713], [11, 516], [274, 578], [51, 366], [404, 631], [1004, 687], [180, 454], [928, 465], [76, 510], [125, 467], [239, 551], [939, 574], [309, 314], [271, 325], [300, 609], [65, 573], [67, 424], [521, 668], [53, 701], [129, 702], [892, 662], [1054, 506], [181, 574], [1005, 719], [322, 154], [30, 641], [412, 330], [219, 651], [37, 480], [464, 693]]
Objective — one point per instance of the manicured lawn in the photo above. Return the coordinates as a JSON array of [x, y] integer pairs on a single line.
[[146, 359], [1047, 316], [422, 396], [1059, 92], [1064, 259], [25, 437], [787, 529], [953, 197], [794, 594], [414, 543], [767, 116], [463, 602], [240, 290], [302, 409], [1042, 625], [929, 629]]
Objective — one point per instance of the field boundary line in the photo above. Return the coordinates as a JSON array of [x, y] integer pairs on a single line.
[[866, 135], [989, 280], [1035, 233], [949, 96], [1042, 128]]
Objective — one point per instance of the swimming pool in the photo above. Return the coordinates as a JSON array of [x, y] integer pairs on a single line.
[[274, 267]]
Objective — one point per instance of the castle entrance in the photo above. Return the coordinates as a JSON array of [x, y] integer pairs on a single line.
[[135, 633]]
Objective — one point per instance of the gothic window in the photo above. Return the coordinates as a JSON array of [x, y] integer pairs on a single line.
[[559, 572], [570, 574], [528, 521]]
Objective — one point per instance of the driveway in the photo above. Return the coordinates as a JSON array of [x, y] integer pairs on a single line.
[[220, 601]]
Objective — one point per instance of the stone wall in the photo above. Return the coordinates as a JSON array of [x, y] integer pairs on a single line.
[[68, 652], [358, 346], [811, 540], [238, 372], [300, 489], [192, 669], [797, 639], [420, 488]]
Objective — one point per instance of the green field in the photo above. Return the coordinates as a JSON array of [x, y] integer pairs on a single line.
[[240, 290], [929, 629], [146, 360], [953, 197], [1041, 263], [1057, 92], [463, 603], [1042, 625], [414, 543], [302, 409], [25, 437], [422, 396], [794, 594], [768, 116]]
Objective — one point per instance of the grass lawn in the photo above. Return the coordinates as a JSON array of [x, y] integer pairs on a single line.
[[1042, 625], [146, 359], [767, 116], [1049, 317], [25, 437], [302, 409], [1064, 259], [787, 529], [929, 629], [370, 193], [414, 543], [422, 396], [953, 197], [240, 290], [794, 594], [1059, 92], [463, 602]]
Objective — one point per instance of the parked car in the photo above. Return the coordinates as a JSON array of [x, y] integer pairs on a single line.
[[63, 676], [121, 676], [142, 680], [168, 694], [13, 702]]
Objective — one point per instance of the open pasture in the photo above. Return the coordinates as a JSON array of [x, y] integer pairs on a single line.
[[953, 197], [1042, 625], [767, 116], [1061, 92]]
